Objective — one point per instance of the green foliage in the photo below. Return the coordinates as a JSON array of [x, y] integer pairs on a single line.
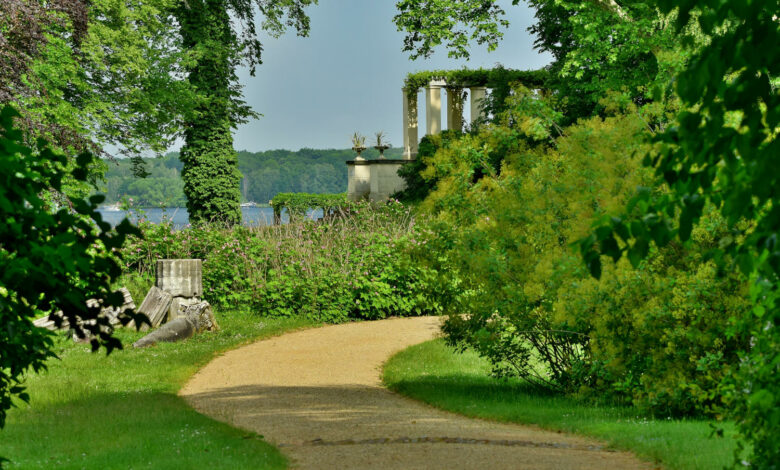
[[363, 266], [624, 47], [491, 78], [417, 188], [298, 203], [430, 23], [52, 259], [723, 151], [210, 173], [661, 335], [107, 74], [508, 202]]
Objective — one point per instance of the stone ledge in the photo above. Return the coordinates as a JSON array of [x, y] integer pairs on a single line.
[[386, 161]]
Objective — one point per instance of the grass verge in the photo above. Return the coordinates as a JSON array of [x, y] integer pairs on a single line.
[[92, 411], [435, 374]]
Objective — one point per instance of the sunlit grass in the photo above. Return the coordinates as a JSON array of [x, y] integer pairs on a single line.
[[96, 412], [433, 373]]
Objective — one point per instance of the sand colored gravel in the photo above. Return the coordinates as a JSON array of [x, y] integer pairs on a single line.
[[317, 395]]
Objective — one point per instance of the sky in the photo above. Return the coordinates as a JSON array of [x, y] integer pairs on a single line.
[[346, 76]]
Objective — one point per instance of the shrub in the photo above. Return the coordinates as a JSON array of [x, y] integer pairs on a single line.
[[360, 266], [658, 336], [661, 335]]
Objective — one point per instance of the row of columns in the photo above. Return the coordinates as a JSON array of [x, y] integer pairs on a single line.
[[433, 112]]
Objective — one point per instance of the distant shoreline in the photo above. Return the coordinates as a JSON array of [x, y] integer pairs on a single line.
[[110, 207]]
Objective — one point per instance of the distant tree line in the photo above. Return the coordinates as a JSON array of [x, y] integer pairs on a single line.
[[265, 174]]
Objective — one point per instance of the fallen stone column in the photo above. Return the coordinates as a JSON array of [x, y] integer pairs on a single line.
[[193, 319]]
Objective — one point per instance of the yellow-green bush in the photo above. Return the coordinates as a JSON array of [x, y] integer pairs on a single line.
[[658, 335]]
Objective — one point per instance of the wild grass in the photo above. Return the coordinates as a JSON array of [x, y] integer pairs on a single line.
[[340, 241], [434, 373], [92, 411]]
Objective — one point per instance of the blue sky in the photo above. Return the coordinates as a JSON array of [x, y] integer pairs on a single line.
[[347, 76]]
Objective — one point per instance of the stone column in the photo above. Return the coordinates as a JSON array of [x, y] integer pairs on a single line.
[[477, 97], [410, 124], [433, 108], [455, 109]]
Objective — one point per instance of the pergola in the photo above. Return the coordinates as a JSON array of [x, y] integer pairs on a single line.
[[455, 82], [376, 180], [433, 123]]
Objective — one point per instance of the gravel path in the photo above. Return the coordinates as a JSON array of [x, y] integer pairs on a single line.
[[317, 395]]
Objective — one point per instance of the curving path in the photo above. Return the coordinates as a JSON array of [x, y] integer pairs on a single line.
[[317, 395]]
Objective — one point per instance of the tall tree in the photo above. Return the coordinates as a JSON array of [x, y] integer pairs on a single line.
[[222, 34], [92, 74], [596, 45]]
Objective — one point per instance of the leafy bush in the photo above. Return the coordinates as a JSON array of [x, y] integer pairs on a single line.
[[362, 266], [662, 335], [659, 336], [52, 259], [417, 187]]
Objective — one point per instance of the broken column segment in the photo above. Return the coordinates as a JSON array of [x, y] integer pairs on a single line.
[[180, 277], [183, 279], [155, 306]]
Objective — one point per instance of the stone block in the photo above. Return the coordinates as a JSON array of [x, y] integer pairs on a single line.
[[358, 180], [155, 306], [180, 277]]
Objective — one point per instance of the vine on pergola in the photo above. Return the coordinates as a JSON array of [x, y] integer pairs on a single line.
[[498, 79]]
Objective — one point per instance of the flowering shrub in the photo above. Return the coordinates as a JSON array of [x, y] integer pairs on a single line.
[[362, 266]]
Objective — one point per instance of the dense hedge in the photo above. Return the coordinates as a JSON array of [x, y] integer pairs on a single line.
[[362, 266]]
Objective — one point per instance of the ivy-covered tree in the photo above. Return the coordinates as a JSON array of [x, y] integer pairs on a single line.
[[221, 35]]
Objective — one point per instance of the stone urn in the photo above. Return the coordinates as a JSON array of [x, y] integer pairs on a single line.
[[359, 150], [382, 149]]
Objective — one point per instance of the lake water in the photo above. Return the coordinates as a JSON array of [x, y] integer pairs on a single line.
[[251, 216]]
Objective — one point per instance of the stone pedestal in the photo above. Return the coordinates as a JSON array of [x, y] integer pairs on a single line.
[[358, 180], [385, 180]]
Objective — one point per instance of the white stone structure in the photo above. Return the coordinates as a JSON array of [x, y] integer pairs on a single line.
[[385, 180], [358, 179], [377, 180], [433, 123]]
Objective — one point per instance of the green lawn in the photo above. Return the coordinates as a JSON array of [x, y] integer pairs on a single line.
[[90, 411], [433, 373]]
